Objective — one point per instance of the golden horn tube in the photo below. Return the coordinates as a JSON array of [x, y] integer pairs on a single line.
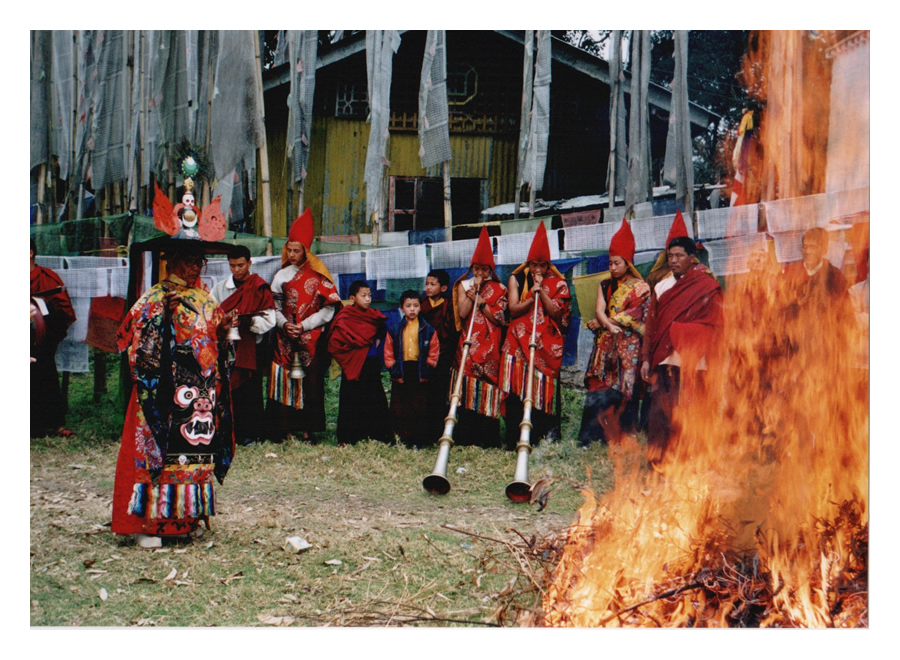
[[519, 490], [436, 482]]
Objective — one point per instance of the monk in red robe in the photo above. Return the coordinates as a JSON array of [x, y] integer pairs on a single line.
[[683, 324], [52, 316], [539, 300], [437, 311], [305, 302], [355, 341], [479, 303], [248, 299]]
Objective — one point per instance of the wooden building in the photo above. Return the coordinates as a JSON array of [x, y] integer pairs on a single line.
[[484, 75]]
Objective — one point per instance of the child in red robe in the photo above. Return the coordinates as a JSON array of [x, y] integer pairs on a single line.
[[354, 341]]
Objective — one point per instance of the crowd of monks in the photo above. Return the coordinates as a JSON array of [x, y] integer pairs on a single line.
[[199, 359]]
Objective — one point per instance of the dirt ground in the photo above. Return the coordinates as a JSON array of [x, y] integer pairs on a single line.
[[381, 554]]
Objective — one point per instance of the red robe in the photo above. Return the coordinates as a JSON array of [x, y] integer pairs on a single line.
[[550, 338], [177, 433], [353, 331], [62, 315], [47, 403], [303, 296], [481, 373], [440, 317], [251, 296], [687, 318]]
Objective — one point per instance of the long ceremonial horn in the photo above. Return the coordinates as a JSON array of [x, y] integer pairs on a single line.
[[519, 490], [436, 482]]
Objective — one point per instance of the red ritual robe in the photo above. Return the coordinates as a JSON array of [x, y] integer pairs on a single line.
[[481, 373], [177, 434], [550, 338]]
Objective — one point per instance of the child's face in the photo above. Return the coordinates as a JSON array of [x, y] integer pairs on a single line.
[[410, 308], [363, 298], [433, 288]]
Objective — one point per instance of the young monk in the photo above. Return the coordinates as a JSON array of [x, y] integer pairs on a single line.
[[535, 285], [479, 292], [356, 340], [437, 311], [411, 350]]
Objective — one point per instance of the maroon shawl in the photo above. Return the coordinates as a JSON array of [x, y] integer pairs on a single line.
[[251, 296], [62, 315], [686, 318], [352, 333]]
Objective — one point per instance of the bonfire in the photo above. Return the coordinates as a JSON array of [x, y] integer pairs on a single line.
[[758, 516]]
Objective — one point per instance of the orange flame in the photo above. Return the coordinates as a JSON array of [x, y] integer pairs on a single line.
[[760, 510]]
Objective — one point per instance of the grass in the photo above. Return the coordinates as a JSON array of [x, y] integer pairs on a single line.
[[380, 552]]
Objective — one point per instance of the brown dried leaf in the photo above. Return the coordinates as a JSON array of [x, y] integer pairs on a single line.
[[495, 616], [171, 575], [271, 620]]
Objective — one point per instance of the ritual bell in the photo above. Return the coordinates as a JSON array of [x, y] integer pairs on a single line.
[[296, 368]]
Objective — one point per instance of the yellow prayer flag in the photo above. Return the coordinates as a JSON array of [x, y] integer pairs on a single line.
[[586, 293]]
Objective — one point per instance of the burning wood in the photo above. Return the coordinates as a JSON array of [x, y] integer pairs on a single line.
[[758, 515]]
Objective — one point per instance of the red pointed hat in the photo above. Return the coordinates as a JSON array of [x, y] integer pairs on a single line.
[[622, 243], [678, 228], [302, 230], [484, 254], [540, 247]]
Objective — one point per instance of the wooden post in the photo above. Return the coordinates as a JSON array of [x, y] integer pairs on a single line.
[[99, 373], [64, 390], [42, 182], [448, 207], [70, 193], [145, 63], [205, 194], [263, 154]]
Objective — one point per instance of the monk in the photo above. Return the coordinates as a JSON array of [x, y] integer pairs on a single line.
[[683, 323], [479, 303], [248, 299], [306, 299], [535, 287]]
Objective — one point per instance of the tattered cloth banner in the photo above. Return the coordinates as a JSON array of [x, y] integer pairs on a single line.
[[434, 124], [380, 48], [303, 50], [237, 109], [534, 159], [637, 188]]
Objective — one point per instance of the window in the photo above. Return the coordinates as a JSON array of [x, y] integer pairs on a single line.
[[352, 101], [418, 202]]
